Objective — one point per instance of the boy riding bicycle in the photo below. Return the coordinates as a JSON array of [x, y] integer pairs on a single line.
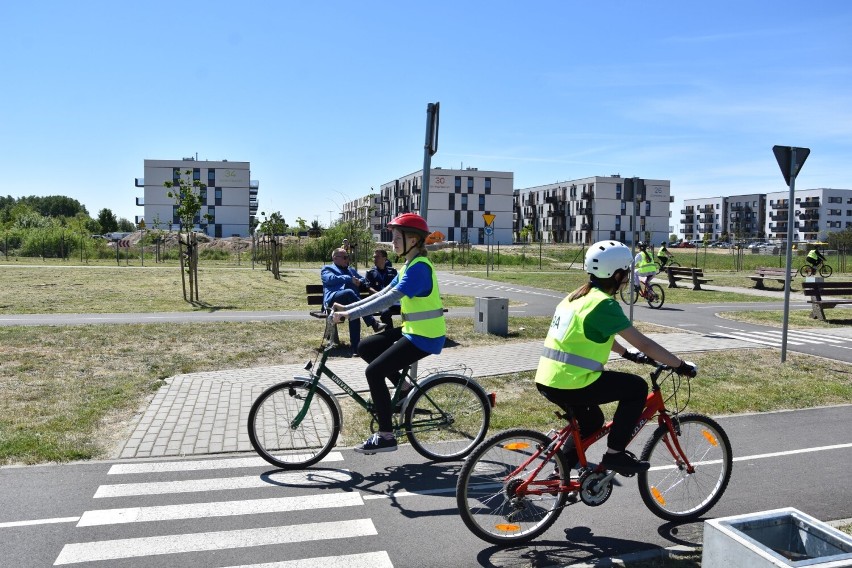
[[582, 333], [423, 330], [815, 257]]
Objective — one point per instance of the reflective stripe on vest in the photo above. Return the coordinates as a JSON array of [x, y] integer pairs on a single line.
[[423, 316], [571, 359], [646, 266]]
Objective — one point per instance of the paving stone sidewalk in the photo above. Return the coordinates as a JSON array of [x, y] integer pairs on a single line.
[[205, 413]]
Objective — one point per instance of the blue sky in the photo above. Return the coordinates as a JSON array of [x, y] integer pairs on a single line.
[[328, 99]]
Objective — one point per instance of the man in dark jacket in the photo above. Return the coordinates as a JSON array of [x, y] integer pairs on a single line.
[[341, 284], [380, 276]]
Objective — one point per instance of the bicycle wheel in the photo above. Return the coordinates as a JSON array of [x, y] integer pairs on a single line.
[[806, 270], [485, 491], [656, 296], [447, 419], [626, 292], [825, 271], [272, 436], [674, 263], [668, 489]]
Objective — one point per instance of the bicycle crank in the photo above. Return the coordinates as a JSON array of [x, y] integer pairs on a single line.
[[595, 488]]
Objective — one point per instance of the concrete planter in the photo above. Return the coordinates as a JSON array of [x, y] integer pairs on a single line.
[[781, 537]]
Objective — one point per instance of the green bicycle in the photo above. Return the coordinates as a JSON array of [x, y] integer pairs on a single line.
[[295, 423]]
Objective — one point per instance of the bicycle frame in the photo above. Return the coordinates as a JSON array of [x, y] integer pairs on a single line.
[[654, 405]]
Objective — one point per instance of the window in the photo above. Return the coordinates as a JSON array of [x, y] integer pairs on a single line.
[[835, 200], [470, 185], [211, 212], [202, 195], [482, 235], [196, 174], [835, 212], [488, 186], [458, 184], [218, 195], [464, 202], [464, 237], [452, 204], [470, 218], [211, 177], [176, 175], [482, 202], [457, 218], [618, 191], [647, 208]]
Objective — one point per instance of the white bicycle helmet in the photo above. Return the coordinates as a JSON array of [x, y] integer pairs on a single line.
[[605, 257]]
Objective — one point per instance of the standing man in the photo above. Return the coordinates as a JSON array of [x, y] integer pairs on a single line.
[[341, 284], [380, 276]]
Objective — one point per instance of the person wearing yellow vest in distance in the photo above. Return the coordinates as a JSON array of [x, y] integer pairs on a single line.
[[423, 328], [643, 266], [582, 333], [663, 255], [815, 257]]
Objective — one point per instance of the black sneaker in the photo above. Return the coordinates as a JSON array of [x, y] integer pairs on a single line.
[[624, 463], [378, 326], [375, 444]]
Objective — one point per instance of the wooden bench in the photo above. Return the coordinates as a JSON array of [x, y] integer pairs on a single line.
[[766, 273], [817, 292], [314, 294], [677, 273]]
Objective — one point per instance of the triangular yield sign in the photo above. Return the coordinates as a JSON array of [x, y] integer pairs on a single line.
[[489, 218]]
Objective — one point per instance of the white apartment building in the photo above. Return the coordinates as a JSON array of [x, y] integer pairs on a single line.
[[230, 199], [456, 204], [815, 213], [705, 217], [592, 209]]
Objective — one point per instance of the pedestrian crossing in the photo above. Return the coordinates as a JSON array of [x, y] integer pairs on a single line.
[[773, 337], [272, 520]]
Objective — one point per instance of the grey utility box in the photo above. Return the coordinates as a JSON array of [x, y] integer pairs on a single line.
[[778, 538], [491, 315]]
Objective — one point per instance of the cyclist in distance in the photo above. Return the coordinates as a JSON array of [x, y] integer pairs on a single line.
[[423, 329], [815, 257], [644, 266], [663, 255], [582, 333]]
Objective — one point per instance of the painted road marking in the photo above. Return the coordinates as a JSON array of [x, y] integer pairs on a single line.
[[200, 465], [219, 540]]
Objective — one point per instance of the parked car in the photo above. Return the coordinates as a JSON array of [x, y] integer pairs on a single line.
[[686, 244]]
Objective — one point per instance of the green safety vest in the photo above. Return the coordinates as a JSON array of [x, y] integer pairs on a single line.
[[663, 252], [812, 254], [646, 266], [423, 316], [570, 360]]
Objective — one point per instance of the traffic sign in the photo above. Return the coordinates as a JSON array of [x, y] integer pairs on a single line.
[[784, 155], [141, 223], [489, 231], [489, 218]]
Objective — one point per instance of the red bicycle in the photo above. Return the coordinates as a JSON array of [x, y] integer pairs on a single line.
[[514, 485]]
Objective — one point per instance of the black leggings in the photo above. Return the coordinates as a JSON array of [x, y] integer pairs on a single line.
[[387, 354], [629, 390]]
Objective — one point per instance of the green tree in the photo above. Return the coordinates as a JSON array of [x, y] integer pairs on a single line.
[[107, 221], [186, 193]]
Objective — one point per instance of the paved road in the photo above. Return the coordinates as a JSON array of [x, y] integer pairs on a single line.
[[377, 511]]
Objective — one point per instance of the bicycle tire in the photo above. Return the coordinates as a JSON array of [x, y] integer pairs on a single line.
[[269, 425], [625, 295], [674, 263], [448, 418], [483, 492], [667, 489], [806, 270], [660, 296], [825, 271]]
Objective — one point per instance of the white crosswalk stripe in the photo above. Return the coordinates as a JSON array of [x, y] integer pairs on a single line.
[[217, 540], [153, 548], [308, 477], [774, 337]]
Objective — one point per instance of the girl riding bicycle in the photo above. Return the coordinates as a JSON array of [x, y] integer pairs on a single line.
[[422, 333], [582, 333], [644, 267]]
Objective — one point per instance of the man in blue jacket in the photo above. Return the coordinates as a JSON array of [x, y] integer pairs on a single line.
[[341, 284]]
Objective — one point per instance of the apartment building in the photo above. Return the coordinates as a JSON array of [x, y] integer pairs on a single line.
[[456, 204], [594, 208], [814, 213], [229, 200]]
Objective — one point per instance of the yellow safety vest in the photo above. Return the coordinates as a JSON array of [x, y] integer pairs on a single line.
[[812, 254], [570, 360], [423, 316], [663, 252], [646, 266]]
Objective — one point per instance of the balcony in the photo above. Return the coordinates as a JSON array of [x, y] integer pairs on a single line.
[[140, 201], [585, 195], [811, 215], [779, 205], [140, 182], [687, 212], [809, 204], [778, 216]]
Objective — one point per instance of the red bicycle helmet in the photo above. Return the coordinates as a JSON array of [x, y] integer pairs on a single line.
[[410, 222]]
